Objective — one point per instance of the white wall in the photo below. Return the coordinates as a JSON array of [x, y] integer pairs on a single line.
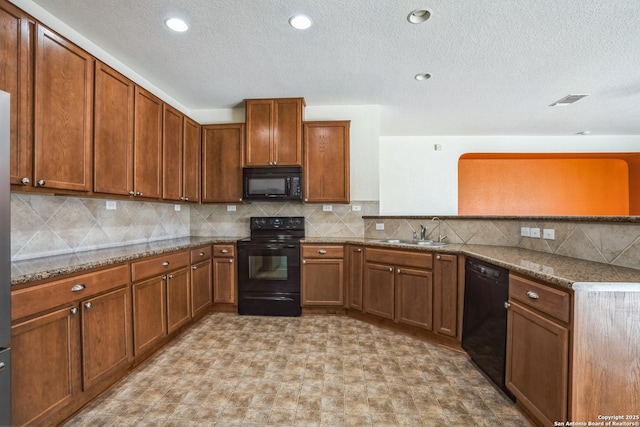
[[417, 180]]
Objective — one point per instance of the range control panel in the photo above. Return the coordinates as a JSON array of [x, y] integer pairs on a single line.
[[277, 223]]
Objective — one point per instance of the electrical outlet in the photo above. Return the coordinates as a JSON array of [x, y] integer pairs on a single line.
[[327, 208], [549, 234], [535, 232], [231, 208], [525, 231], [111, 205], [176, 208], [380, 226], [356, 208]]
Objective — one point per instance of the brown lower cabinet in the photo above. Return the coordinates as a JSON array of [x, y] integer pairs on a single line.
[[60, 355], [201, 280], [355, 270], [224, 274], [322, 275]]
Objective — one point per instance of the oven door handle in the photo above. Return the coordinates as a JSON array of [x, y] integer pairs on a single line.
[[268, 298]]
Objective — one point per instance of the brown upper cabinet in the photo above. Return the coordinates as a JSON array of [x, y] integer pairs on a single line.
[[147, 158], [274, 132], [326, 162], [113, 132], [172, 150], [191, 164], [222, 154], [16, 78], [63, 113]]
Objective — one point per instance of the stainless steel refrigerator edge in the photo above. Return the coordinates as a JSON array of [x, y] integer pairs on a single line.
[[5, 265]]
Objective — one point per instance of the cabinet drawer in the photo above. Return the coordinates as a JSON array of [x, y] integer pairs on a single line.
[[224, 250], [25, 302], [158, 265], [323, 251], [403, 258], [200, 254], [548, 300]]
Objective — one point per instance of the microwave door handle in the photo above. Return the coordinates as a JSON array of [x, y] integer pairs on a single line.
[[288, 190]]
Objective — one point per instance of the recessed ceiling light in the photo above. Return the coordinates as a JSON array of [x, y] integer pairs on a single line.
[[423, 76], [419, 16], [176, 24], [300, 22], [569, 99]]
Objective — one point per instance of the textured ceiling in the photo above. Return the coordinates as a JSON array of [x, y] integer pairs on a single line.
[[496, 65]]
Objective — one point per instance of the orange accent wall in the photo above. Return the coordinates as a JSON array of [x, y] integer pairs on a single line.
[[634, 185], [544, 184]]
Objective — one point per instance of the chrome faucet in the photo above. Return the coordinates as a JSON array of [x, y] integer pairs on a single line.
[[441, 238], [423, 232]]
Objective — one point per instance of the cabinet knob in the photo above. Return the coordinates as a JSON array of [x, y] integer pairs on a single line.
[[25, 181], [195, 267], [41, 182], [306, 200], [437, 256], [201, 254], [132, 193], [240, 199], [186, 199], [78, 287], [166, 263], [74, 310], [390, 269], [224, 251], [230, 261], [506, 305], [304, 261], [275, 163], [358, 250], [87, 305], [138, 193], [398, 270], [164, 277], [171, 276], [322, 251], [2, 366], [532, 295]]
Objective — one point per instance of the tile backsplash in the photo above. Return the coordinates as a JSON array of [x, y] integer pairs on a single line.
[[611, 243], [44, 225]]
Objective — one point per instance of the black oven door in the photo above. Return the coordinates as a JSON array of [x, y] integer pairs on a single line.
[[268, 268]]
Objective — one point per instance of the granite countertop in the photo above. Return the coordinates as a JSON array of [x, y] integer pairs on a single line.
[[557, 270], [32, 270]]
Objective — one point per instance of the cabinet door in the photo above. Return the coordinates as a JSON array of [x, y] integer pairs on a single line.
[[178, 299], [113, 132], [147, 170], [224, 280], [259, 122], [63, 113], [326, 164], [378, 293], [201, 287], [191, 164], [106, 336], [16, 33], [354, 278], [445, 295], [149, 313], [414, 297], [322, 282], [44, 365], [537, 363], [287, 132], [222, 163], [172, 154]]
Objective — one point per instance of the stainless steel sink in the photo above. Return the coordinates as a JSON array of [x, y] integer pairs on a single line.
[[413, 242], [430, 243]]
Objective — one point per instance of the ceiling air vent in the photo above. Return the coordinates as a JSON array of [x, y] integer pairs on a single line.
[[569, 99]]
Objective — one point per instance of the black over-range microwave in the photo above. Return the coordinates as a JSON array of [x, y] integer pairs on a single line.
[[275, 183]]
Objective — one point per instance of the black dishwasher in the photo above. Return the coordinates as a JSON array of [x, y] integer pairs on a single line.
[[484, 323]]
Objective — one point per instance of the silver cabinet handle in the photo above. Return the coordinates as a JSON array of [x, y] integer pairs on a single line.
[[74, 310], [87, 305], [322, 251], [1, 366], [41, 182], [25, 181], [437, 256], [506, 305], [224, 251], [195, 267], [201, 254], [532, 295], [78, 287], [166, 263]]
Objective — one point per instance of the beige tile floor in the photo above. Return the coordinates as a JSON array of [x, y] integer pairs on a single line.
[[231, 370]]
